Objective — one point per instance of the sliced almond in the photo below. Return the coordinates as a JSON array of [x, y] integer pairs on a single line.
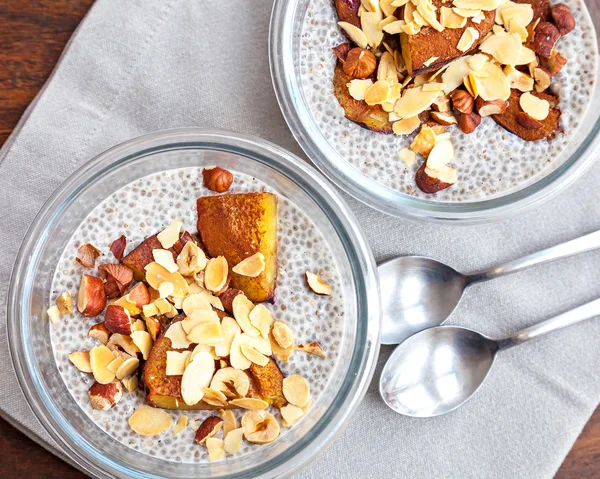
[[504, 47], [229, 421], [355, 34], [476, 62], [357, 88], [138, 325], [229, 329], [64, 303], [455, 73], [170, 235], [261, 318], [198, 317], [180, 425], [386, 21], [408, 157], [114, 364], [143, 341], [214, 397], [215, 448], [233, 440], [378, 93], [100, 358], [369, 23], [127, 368], [296, 390], [242, 307], [394, 28], [536, 108], [165, 258], [486, 5], [291, 414], [252, 266], [283, 335], [406, 126], [249, 403], [157, 274], [440, 155], [191, 259], [236, 357], [177, 336], [195, 302], [521, 13], [468, 39], [150, 310], [81, 360], [196, 377], [386, 69], [208, 333], [231, 382], [176, 362], [131, 383], [215, 274], [449, 18], [53, 314], [316, 283], [213, 300], [254, 355], [282, 354], [526, 57], [166, 289], [202, 348], [434, 86], [414, 101], [495, 86], [150, 421], [517, 79]]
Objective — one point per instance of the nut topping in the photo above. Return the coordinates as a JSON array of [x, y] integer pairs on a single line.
[[191, 259], [563, 18], [545, 37], [252, 266], [231, 382], [117, 319], [209, 427], [64, 303], [260, 427], [105, 396], [360, 63], [233, 440], [91, 298], [316, 283], [215, 448], [283, 334], [117, 247], [313, 348], [215, 274], [296, 390], [196, 377], [100, 358], [217, 179], [462, 101], [468, 122], [535, 107], [86, 255], [150, 421], [81, 360]]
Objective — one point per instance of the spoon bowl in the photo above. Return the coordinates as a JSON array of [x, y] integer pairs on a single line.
[[436, 370], [417, 293]]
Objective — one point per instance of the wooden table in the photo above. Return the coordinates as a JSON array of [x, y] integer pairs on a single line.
[[34, 32]]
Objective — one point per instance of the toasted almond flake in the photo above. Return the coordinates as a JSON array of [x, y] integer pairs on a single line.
[[252, 266], [283, 335], [233, 440], [386, 21], [476, 62], [521, 13], [407, 156], [113, 366], [261, 318], [378, 93], [495, 86], [215, 274], [455, 73], [472, 85], [195, 302], [157, 274], [180, 425], [517, 79], [150, 421], [229, 421], [399, 3], [411, 28], [53, 314], [253, 355], [415, 101], [434, 87], [536, 108], [64, 303], [100, 358], [249, 403], [394, 28], [296, 390], [316, 283], [229, 329], [214, 397], [357, 88], [504, 47], [242, 307], [196, 377], [449, 19], [418, 19], [467, 40], [127, 368], [355, 34], [198, 318], [236, 378], [485, 5], [237, 359], [406, 126], [202, 348], [191, 260], [131, 384], [81, 360], [165, 258], [520, 30], [369, 22], [208, 333], [143, 341], [429, 62], [386, 70], [176, 362], [165, 289], [526, 57], [215, 448], [170, 235], [291, 414], [162, 305], [138, 325], [313, 348], [440, 155], [177, 336]]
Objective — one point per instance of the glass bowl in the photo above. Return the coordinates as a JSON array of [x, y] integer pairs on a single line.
[[92, 449], [284, 49]]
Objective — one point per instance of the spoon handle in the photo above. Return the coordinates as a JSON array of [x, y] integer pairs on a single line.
[[579, 245], [581, 313]]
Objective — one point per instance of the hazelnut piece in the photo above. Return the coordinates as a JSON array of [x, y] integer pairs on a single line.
[[105, 396], [217, 179], [468, 122], [487, 108], [527, 121], [360, 63], [555, 63], [432, 181], [443, 118], [563, 18], [91, 297], [545, 37], [462, 101], [117, 320], [542, 77]]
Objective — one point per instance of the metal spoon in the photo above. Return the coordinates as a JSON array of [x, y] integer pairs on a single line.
[[419, 293], [437, 370]]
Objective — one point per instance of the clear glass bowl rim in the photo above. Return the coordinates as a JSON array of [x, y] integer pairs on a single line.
[[343, 174], [366, 350]]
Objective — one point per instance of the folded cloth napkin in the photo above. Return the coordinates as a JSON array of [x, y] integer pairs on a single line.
[[138, 66]]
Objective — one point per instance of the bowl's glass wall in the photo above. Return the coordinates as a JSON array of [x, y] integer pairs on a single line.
[[31, 293], [285, 38]]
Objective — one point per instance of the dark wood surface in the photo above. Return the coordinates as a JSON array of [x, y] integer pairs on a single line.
[[34, 33]]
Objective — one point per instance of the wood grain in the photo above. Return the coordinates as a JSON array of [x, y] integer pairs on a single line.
[[34, 32]]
